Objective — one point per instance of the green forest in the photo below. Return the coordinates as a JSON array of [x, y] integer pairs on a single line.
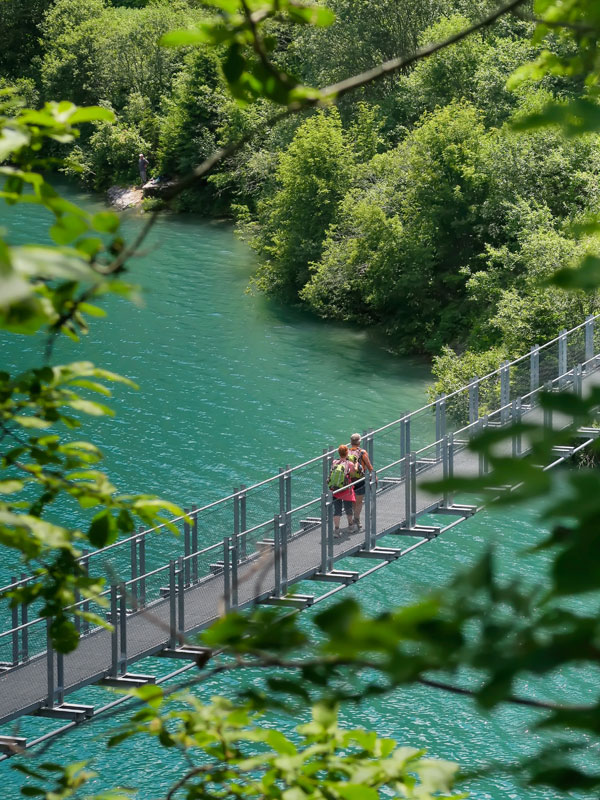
[[417, 205]]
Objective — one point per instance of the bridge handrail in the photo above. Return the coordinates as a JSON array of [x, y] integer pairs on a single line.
[[290, 470]]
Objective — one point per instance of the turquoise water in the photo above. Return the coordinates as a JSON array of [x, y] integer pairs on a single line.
[[232, 387]]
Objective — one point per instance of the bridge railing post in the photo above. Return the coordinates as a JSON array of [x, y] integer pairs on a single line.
[[134, 572], [373, 516], [404, 441], [578, 380], [504, 392], [440, 424], [483, 465], [59, 695], [370, 448], [172, 604], [324, 531], [141, 540], [562, 358], [277, 553], [330, 537], [243, 524], [368, 503], [234, 572], [25, 628], [122, 602], [413, 490], [473, 400], [114, 639], [85, 625], [534, 371], [49, 666], [589, 341], [445, 467], [325, 464], [181, 578], [15, 625], [548, 411], [236, 518], [283, 540], [227, 573], [194, 560], [407, 489], [187, 549]]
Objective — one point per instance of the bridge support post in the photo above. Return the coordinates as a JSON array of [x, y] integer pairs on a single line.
[[483, 462], [474, 400], [515, 412], [172, 604], [15, 625], [85, 625], [114, 639], [589, 341], [49, 666], [373, 515], [25, 628], [440, 425], [562, 357], [142, 565], [548, 411], [180, 600], [234, 573], [578, 380], [277, 553], [226, 574], [448, 466], [243, 527], [283, 540], [370, 448], [407, 489], [404, 442], [504, 392], [368, 511], [122, 629], [134, 572], [330, 537], [534, 371], [59, 695], [187, 549], [324, 517], [236, 521], [194, 559]]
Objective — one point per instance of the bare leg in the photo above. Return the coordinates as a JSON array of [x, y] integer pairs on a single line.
[[336, 524], [358, 507]]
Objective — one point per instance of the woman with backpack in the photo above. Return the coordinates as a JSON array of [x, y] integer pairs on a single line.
[[343, 497]]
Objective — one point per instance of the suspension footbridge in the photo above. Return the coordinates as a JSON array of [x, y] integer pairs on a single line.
[[254, 545]]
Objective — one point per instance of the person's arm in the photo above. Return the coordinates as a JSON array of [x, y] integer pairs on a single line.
[[367, 461]]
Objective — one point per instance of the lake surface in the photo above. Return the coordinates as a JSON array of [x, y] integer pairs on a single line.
[[234, 386]]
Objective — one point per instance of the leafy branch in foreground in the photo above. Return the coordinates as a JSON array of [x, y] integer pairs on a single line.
[[238, 758]]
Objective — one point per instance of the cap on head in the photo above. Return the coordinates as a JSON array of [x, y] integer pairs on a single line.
[[355, 438], [141, 155]]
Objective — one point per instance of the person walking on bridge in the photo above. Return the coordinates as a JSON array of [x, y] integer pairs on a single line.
[[362, 464], [343, 497]]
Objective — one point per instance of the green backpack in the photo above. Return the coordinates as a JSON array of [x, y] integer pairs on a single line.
[[357, 470], [338, 477]]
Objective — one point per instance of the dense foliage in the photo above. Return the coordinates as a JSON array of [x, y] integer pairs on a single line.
[[444, 201]]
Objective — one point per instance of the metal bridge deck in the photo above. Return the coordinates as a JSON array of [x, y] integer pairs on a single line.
[[24, 688]]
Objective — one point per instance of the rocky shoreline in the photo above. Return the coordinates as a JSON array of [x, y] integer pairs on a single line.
[[122, 197]]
